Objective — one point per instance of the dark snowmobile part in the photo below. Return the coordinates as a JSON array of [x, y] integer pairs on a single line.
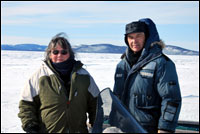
[[111, 113]]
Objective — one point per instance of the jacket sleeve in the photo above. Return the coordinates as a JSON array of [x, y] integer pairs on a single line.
[[169, 91], [29, 104], [28, 113], [92, 109], [92, 100]]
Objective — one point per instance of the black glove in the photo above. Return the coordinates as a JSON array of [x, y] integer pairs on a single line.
[[31, 128]]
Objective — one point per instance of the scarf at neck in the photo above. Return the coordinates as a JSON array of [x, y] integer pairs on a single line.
[[65, 67], [132, 57]]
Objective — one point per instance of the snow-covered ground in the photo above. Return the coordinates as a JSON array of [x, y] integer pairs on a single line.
[[18, 66]]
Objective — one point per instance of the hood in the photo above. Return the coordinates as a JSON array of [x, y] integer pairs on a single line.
[[153, 39], [153, 43], [158, 44], [153, 33]]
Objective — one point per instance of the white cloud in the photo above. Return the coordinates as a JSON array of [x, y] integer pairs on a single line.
[[104, 12], [30, 9], [18, 21], [13, 40]]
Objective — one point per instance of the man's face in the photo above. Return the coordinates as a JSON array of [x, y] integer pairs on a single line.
[[136, 41]]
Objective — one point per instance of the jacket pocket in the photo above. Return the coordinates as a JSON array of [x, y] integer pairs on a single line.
[[145, 112], [142, 101], [170, 111]]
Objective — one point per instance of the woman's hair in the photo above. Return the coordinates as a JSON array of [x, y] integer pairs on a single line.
[[59, 39]]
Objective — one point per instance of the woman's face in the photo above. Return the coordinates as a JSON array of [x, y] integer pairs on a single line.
[[58, 54]]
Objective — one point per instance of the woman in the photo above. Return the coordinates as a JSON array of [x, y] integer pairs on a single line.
[[58, 97]]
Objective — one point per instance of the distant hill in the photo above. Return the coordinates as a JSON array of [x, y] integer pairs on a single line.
[[97, 48], [100, 48], [24, 47], [174, 50]]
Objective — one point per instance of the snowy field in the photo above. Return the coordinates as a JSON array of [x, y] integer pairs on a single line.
[[18, 66]]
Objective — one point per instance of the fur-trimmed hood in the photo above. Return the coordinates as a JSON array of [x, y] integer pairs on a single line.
[[159, 43], [153, 39]]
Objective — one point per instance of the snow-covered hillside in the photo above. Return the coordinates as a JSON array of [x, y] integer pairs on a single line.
[[98, 48]]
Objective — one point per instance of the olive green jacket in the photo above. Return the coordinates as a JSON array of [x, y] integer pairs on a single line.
[[44, 100]]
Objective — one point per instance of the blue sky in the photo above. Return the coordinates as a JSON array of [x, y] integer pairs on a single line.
[[97, 22]]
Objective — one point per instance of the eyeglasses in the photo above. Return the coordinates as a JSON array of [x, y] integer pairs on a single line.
[[63, 52]]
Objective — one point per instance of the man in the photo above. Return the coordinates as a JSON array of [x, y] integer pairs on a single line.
[[146, 80]]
